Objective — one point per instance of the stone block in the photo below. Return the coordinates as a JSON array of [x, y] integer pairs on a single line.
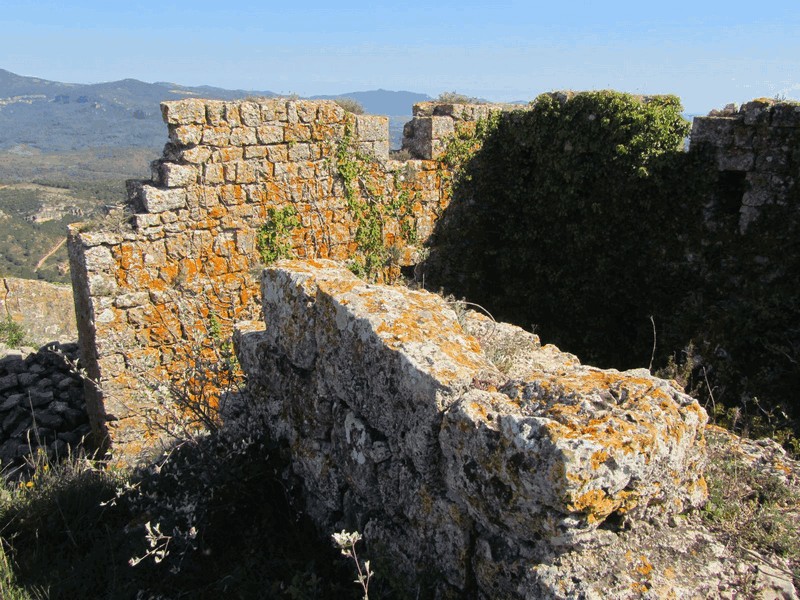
[[417, 137], [243, 136], [273, 110], [99, 258], [8, 382], [186, 135], [213, 173], [215, 113], [250, 113], [371, 128], [717, 131], [417, 428], [442, 127], [306, 110], [196, 155], [216, 136], [45, 311], [300, 152], [269, 134], [132, 299], [156, 200], [174, 175], [184, 112], [734, 160], [297, 132], [785, 115], [232, 115]]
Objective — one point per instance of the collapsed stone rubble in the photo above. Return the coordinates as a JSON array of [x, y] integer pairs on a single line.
[[41, 406]]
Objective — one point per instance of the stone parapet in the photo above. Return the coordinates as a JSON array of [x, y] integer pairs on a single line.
[[237, 181], [755, 147], [463, 448], [434, 123], [45, 311]]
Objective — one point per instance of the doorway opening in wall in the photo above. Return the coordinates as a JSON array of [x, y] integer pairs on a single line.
[[732, 186]]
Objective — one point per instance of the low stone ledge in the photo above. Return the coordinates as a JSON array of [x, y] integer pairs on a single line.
[[443, 439]]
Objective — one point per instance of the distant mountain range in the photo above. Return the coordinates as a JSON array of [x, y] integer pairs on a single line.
[[51, 116]]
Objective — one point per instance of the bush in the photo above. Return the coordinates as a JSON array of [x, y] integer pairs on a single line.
[[583, 218], [570, 217], [456, 98], [11, 333], [211, 518], [351, 105]]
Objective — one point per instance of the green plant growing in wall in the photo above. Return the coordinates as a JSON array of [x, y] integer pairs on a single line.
[[351, 105], [561, 198], [370, 208], [274, 236], [463, 146], [11, 333]]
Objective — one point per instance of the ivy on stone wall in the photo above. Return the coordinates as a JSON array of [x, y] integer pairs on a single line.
[[581, 216], [562, 220], [274, 237], [370, 205], [746, 338]]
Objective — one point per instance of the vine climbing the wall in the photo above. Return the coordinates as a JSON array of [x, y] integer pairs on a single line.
[[366, 199], [274, 236]]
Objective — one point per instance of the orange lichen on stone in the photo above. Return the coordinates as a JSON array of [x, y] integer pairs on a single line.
[[644, 567], [595, 504], [598, 458]]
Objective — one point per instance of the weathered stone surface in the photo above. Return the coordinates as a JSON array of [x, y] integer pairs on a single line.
[[444, 440], [156, 200], [45, 311]]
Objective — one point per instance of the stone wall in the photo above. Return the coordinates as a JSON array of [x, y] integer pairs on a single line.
[[755, 149], [45, 311], [471, 456], [434, 123], [155, 295], [151, 293]]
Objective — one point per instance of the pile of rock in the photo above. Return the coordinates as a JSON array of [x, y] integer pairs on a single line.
[[41, 405]]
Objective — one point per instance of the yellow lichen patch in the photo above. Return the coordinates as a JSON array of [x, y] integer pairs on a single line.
[[639, 587], [596, 504], [598, 458], [479, 409], [644, 567]]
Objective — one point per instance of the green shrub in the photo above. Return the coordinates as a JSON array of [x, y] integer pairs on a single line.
[[351, 105], [274, 238], [456, 98], [12, 334], [749, 507], [583, 217], [570, 217]]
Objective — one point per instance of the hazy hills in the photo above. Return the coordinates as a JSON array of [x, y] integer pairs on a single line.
[[52, 116], [66, 150]]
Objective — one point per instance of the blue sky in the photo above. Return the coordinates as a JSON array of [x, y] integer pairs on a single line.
[[708, 53]]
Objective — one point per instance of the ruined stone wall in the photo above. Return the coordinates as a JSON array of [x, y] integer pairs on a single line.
[[469, 454], [434, 123], [756, 151], [154, 293], [162, 290], [42, 406]]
